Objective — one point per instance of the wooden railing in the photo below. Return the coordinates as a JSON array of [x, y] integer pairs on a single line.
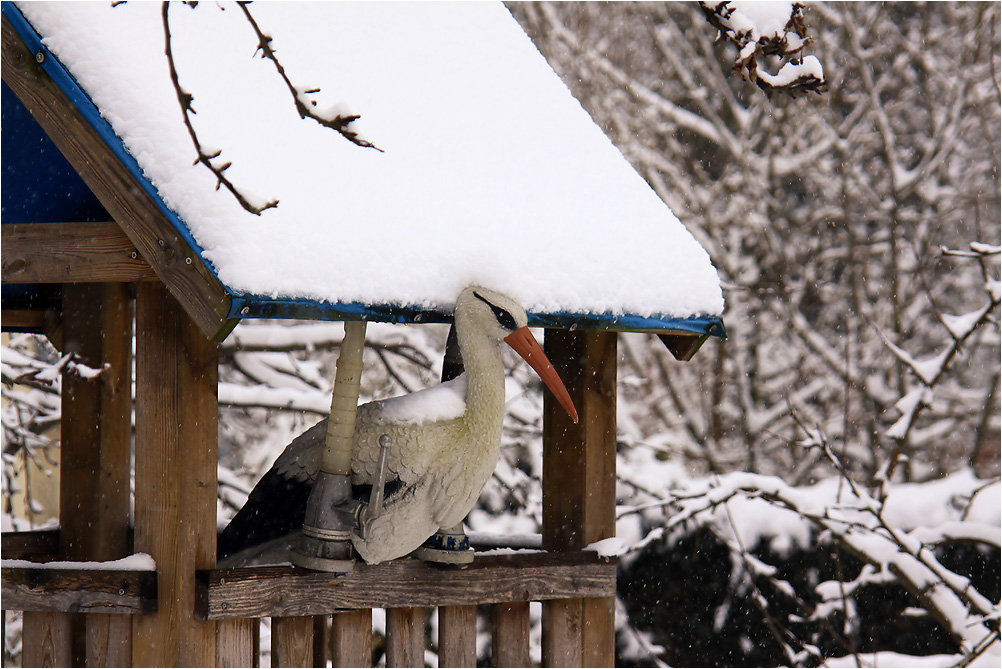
[[318, 617]]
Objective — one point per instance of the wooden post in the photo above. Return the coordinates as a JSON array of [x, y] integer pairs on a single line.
[[351, 638], [510, 634], [457, 636], [579, 489], [95, 457], [176, 422], [405, 637], [292, 641]]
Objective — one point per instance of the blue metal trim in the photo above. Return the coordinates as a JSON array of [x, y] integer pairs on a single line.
[[249, 306], [79, 98]]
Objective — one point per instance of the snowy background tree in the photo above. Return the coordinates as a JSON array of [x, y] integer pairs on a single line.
[[769, 488]]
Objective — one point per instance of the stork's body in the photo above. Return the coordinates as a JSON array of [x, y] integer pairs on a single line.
[[444, 446]]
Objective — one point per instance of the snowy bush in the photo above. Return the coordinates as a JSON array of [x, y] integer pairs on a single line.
[[746, 570]]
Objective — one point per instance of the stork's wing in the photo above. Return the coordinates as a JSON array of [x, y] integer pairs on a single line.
[[277, 504], [419, 426]]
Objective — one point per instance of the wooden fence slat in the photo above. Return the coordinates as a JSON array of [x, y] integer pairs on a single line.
[[285, 591], [292, 641], [510, 634], [46, 640], [238, 643], [109, 640], [562, 641], [457, 636], [321, 640], [351, 638], [405, 640], [598, 631]]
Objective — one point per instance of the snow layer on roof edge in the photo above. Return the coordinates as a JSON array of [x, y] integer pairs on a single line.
[[444, 214]]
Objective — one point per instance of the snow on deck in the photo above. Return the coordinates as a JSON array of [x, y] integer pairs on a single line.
[[490, 171]]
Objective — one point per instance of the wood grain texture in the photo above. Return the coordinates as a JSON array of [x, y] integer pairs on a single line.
[[109, 641], [79, 590], [598, 631], [29, 319], [181, 270], [292, 641], [175, 481], [95, 448], [579, 460], [96, 427], [457, 636], [30, 544], [70, 253], [579, 488], [510, 634], [405, 637], [351, 638], [562, 640], [273, 591], [46, 640], [238, 643]]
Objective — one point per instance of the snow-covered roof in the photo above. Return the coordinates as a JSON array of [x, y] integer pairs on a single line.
[[487, 170]]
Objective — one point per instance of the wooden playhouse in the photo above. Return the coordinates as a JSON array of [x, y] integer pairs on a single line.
[[101, 258]]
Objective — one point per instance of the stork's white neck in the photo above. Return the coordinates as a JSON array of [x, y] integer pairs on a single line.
[[484, 382]]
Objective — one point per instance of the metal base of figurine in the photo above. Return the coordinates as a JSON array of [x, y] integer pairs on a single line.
[[446, 547], [328, 555]]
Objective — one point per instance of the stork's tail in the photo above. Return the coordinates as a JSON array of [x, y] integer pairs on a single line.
[[274, 509]]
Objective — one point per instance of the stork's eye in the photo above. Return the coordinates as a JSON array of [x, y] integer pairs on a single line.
[[505, 319]]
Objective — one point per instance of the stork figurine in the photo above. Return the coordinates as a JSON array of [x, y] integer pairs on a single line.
[[440, 445]]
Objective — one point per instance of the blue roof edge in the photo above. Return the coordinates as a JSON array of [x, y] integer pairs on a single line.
[[79, 98], [246, 306]]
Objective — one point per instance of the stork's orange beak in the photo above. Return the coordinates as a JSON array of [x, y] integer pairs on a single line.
[[526, 346]]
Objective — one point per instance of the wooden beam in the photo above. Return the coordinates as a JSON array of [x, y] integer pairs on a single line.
[[29, 319], [79, 590], [70, 253], [351, 638], [405, 637], [181, 270], [96, 450], [43, 321], [175, 498], [286, 591], [30, 545], [510, 634], [457, 636], [579, 488], [292, 642], [682, 346]]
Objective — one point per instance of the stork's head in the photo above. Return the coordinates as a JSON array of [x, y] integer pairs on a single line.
[[503, 318]]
